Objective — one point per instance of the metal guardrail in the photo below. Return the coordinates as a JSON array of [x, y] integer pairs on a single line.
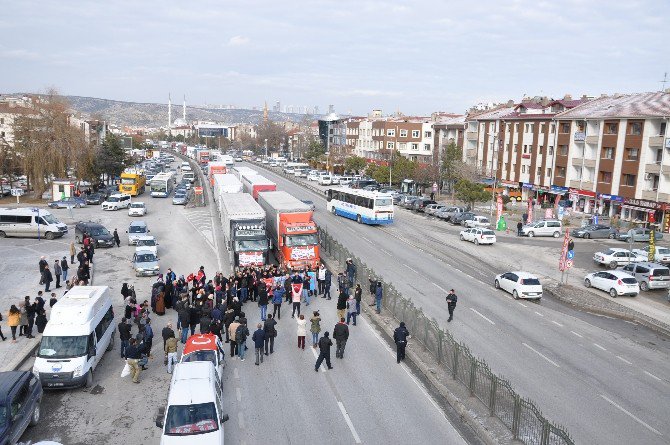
[[521, 416]]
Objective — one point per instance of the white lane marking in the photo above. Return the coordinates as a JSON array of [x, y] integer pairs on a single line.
[[238, 394], [578, 335], [556, 323], [522, 304], [482, 315], [351, 229], [236, 374], [410, 268], [240, 420], [366, 239], [623, 360], [541, 355], [442, 289], [539, 314], [386, 252], [633, 416], [653, 376], [348, 420], [598, 346]]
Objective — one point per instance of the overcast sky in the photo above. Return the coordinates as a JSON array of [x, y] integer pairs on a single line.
[[415, 56]]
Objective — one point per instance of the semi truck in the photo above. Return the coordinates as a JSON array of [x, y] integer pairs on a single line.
[[291, 229], [243, 222], [240, 172], [253, 184], [132, 183], [225, 184], [215, 168], [202, 156]]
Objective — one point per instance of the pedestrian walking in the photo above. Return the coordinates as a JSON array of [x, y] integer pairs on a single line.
[[47, 278], [277, 298], [53, 300], [400, 336], [259, 341], [358, 296], [519, 228], [341, 335], [13, 320], [41, 264], [324, 352], [124, 335], [451, 304], [328, 276], [171, 348], [64, 268], [232, 332], [302, 331], [133, 358], [270, 328], [241, 334], [342, 303], [351, 309], [73, 252], [315, 328], [166, 333], [117, 240], [378, 297], [58, 271]]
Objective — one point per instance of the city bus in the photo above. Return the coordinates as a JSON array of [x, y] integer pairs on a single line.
[[162, 185], [363, 206]]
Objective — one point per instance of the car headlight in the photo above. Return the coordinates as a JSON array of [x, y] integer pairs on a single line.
[[156, 267], [77, 371]]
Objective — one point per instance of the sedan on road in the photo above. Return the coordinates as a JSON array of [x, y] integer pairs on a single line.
[[432, 209], [180, 198], [95, 198], [520, 285], [640, 235], [310, 204], [477, 221], [478, 236], [461, 218], [595, 231], [661, 254], [68, 203], [137, 208], [616, 257], [615, 282]]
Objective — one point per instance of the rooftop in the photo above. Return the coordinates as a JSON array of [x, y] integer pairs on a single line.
[[655, 104]]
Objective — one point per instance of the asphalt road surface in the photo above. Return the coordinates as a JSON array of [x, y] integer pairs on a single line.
[[366, 398], [606, 380]]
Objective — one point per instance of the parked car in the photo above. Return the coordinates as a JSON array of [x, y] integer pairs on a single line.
[[180, 198], [406, 200], [95, 198], [520, 285], [397, 198], [442, 214], [147, 242], [461, 218], [101, 236], [478, 221], [549, 227], [420, 204], [137, 208], [371, 187], [430, 209], [640, 235], [616, 257], [136, 230], [335, 179], [595, 231], [20, 399], [145, 263], [615, 282], [649, 275], [313, 175], [452, 212], [661, 254], [68, 203], [478, 236]]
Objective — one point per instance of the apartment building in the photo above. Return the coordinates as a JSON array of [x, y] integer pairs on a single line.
[[449, 130], [613, 155], [12, 108]]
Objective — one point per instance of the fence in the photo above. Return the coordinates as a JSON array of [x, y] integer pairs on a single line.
[[520, 415]]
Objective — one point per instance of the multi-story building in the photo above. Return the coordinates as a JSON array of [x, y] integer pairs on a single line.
[[10, 109]]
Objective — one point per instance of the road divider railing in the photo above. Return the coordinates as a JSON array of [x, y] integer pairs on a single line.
[[520, 415]]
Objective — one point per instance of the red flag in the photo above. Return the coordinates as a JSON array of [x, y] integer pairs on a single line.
[[268, 282], [297, 292]]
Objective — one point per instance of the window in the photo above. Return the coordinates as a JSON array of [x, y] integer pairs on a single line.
[[635, 128], [565, 127], [611, 128], [563, 150], [415, 146], [403, 133], [402, 145], [513, 167], [628, 180], [560, 172], [428, 134], [529, 128], [662, 130], [539, 171], [415, 133], [548, 173], [508, 127], [605, 177], [523, 169], [632, 154], [551, 150], [390, 132], [525, 149], [541, 149], [19, 401], [426, 147], [552, 128], [516, 127], [542, 127], [608, 153], [390, 145]]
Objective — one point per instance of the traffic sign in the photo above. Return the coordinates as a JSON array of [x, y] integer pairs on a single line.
[[569, 263], [17, 192], [197, 190], [571, 254]]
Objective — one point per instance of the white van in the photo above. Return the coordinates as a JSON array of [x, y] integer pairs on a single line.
[[194, 411], [79, 332], [325, 180], [116, 201], [32, 222], [549, 227]]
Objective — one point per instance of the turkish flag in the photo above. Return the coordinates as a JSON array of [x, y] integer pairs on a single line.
[[297, 291], [268, 282]]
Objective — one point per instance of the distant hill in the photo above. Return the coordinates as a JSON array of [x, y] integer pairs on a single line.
[[156, 115]]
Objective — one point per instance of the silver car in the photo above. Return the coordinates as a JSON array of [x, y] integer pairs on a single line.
[[145, 263], [179, 199]]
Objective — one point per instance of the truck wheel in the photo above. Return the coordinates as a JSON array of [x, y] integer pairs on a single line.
[[35, 418], [89, 379], [49, 236]]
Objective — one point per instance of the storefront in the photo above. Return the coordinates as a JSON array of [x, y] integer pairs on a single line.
[[609, 205], [583, 201], [640, 211]]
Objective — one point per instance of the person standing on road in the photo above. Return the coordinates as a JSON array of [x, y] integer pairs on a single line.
[[47, 278], [42, 264], [259, 341], [166, 333], [324, 352], [302, 331], [53, 300], [519, 227], [321, 278], [270, 329], [23, 320], [341, 335], [30, 313], [277, 298], [358, 296], [373, 289], [451, 304], [41, 321], [315, 328], [124, 335], [148, 336], [232, 331], [171, 348], [351, 309], [57, 271], [326, 284], [263, 300], [295, 297], [73, 252], [117, 240], [400, 336], [133, 356], [13, 320], [64, 267], [241, 334], [379, 292], [342, 283], [342, 303], [351, 273]]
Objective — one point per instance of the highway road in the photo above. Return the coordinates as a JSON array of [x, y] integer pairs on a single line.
[[366, 398], [605, 379]]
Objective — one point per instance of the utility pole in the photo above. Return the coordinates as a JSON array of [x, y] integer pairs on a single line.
[[495, 178]]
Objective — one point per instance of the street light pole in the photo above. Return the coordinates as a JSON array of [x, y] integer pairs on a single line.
[[495, 177]]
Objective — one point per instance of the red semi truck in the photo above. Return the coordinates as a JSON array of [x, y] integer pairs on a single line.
[[253, 184], [291, 229]]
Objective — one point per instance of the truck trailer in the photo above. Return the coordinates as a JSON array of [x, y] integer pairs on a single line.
[[253, 184], [241, 172], [215, 168], [243, 222], [225, 184], [291, 229]]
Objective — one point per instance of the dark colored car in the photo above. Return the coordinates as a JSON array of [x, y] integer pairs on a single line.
[[595, 231], [363, 183], [68, 203], [95, 198], [461, 217], [99, 233], [20, 397], [420, 204]]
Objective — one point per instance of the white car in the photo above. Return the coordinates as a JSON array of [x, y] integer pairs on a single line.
[[430, 209], [615, 257], [313, 176], [147, 242], [520, 285], [117, 201], [477, 221], [137, 208], [661, 255], [478, 236], [615, 282], [335, 180], [324, 180]]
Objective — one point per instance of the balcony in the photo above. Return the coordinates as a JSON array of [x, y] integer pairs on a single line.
[[471, 153], [592, 139], [579, 136], [584, 184], [656, 141], [649, 195], [584, 162], [471, 135], [652, 168], [577, 162]]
